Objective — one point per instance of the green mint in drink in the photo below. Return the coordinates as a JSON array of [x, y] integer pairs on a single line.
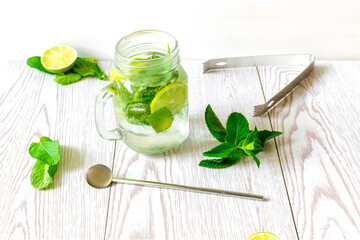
[[140, 102]]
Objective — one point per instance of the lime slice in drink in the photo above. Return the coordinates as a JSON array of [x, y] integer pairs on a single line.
[[173, 97], [263, 236], [161, 120], [59, 59]]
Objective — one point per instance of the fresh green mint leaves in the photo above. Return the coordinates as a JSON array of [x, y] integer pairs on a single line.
[[87, 67], [48, 156], [84, 67], [237, 139]]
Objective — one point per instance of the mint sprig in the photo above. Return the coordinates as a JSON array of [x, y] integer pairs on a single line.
[[237, 139], [83, 67], [48, 156]]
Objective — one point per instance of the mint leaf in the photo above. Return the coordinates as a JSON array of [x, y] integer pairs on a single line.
[[223, 150], [87, 67], [237, 128], [121, 100], [253, 156], [52, 170], [266, 135], [42, 175], [239, 140], [68, 78], [98, 73], [161, 120], [215, 164], [154, 56], [168, 49], [220, 163], [46, 151], [257, 148], [35, 62], [249, 141], [89, 59], [214, 125]]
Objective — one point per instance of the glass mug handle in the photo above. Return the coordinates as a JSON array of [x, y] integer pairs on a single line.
[[103, 98]]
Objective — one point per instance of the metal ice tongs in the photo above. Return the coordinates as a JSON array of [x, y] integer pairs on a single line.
[[268, 60]]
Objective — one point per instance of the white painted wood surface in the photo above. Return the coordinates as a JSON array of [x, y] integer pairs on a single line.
[[314, 178], [319, 151], [36, 106]]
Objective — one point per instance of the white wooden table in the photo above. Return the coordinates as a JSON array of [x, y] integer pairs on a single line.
[[310, 174]]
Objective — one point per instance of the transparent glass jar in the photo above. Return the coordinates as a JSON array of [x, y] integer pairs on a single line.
[[149, 92]]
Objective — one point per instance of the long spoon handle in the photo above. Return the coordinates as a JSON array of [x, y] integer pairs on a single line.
[[188, 188]]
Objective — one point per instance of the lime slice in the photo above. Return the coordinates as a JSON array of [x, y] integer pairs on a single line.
[[263, 236], [59, 59], [161, 120], [173, 97]]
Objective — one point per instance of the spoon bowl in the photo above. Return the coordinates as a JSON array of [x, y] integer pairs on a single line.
[[99, 176]]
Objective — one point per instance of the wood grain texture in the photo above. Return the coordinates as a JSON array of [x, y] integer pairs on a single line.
[[33, 106], [140, 212], [318, 153], [319, 150]]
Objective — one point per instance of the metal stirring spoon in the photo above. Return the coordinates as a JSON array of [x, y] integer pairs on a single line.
[[100, 176]]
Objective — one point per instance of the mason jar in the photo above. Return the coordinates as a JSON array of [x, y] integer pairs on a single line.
[[149, 93]]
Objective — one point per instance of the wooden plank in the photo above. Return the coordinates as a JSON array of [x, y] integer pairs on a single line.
[[34, 106], [139, 212], [319, 150]]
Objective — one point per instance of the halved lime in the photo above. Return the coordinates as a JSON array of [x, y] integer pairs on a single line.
[[263, 236], [173, 97], [59, 59]]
